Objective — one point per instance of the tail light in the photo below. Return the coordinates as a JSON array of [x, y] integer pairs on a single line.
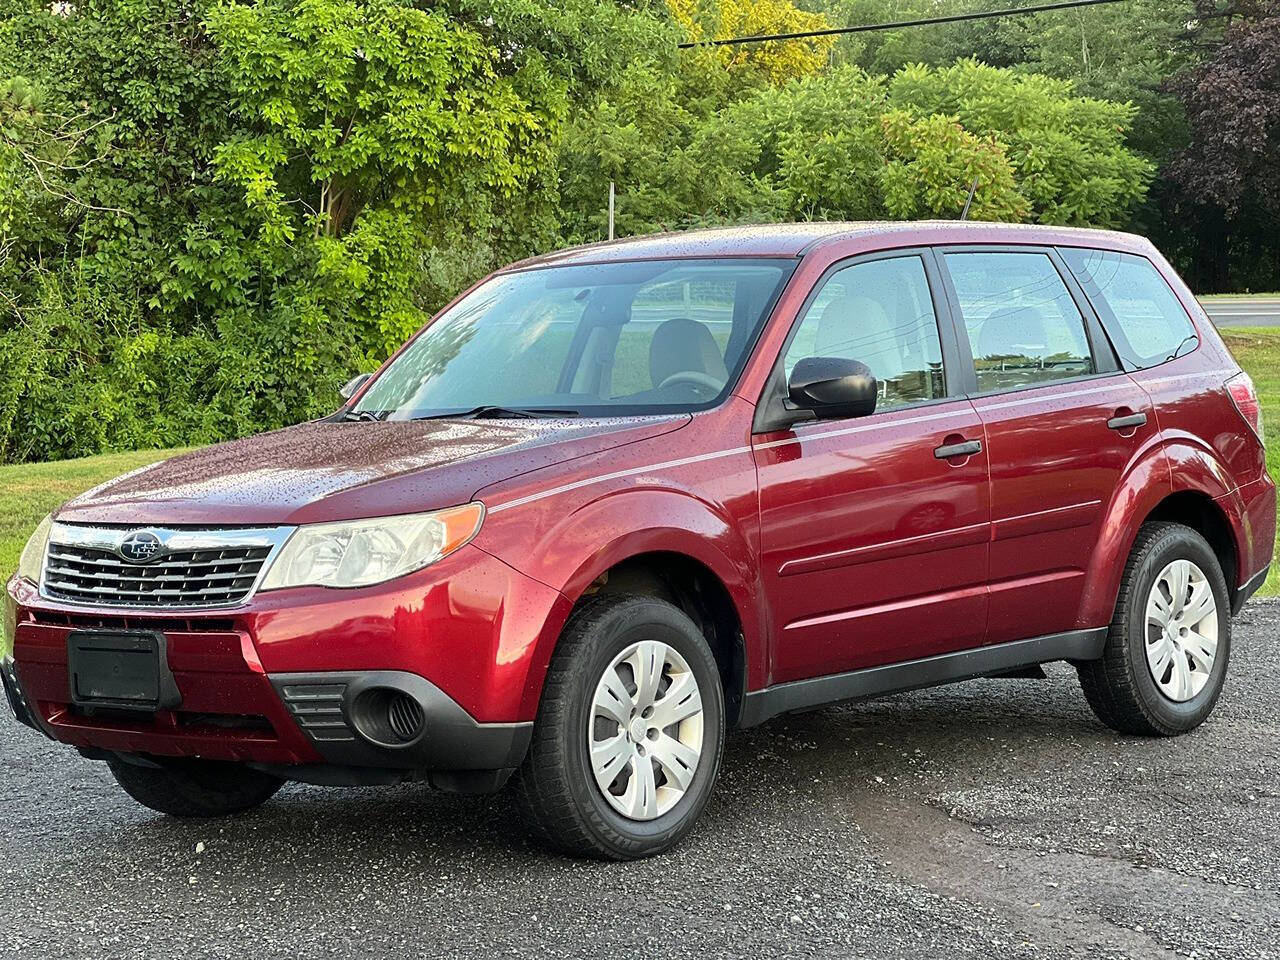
[[1240, 387]]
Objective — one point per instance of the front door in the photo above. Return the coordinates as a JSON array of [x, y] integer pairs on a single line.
[[874, 531]]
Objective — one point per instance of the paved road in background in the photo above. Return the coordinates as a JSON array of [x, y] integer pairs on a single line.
[[1244, 311], [994, 819]]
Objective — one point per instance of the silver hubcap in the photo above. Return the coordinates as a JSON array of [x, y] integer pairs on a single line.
[[1182, 630], [645, 730]]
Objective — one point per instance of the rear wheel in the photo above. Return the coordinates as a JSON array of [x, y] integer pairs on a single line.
[[627, 745], [1166, 655], [195, 788]]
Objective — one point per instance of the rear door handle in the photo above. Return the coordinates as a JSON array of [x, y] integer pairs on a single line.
[[1129, 422], [966, 449]]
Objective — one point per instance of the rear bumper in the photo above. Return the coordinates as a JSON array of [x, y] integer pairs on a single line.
[[1249, 588], [1255, 521], [459, 642]]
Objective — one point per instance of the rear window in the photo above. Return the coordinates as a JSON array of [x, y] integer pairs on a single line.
[[1145, 319]]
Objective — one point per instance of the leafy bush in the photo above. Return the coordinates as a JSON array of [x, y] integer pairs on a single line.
[[213, 212], [847, 144]]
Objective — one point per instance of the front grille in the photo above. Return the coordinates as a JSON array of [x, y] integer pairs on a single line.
[[205, 577], [147, 621]]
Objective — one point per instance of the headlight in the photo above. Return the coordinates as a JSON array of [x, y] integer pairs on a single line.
[[32, 560], [357, 553]]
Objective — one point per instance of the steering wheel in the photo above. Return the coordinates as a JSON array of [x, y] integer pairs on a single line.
[[694, 377]]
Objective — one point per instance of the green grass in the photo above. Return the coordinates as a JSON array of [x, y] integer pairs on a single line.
[[28, 491], [1258, 351], [1238, 296]]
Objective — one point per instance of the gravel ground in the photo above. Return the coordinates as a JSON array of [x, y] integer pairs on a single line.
[[991, 819]]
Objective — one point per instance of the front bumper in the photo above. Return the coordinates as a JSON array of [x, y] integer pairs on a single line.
[[459, 640], [14, 695], [340, 714]]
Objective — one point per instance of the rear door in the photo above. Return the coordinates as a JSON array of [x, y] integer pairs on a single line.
[[873, 542], [1062, 423]]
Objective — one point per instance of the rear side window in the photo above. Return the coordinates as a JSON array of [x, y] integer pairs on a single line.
[[880, 313], [1144, 317], [1023, 327]]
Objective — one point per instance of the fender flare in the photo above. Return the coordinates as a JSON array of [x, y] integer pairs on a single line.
[[1170, 466], [1195, 468]]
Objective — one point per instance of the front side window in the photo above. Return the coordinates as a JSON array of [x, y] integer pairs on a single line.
[[880, 313], [1023, 327], [607, 339], [1145, 319]]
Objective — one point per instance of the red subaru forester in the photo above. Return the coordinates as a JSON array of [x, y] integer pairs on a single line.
[[617, 500]]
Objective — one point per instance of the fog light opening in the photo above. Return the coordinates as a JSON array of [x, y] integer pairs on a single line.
[[388, 717]]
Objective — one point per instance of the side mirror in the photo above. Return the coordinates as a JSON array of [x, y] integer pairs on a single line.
[[354, 384], [833, 387]]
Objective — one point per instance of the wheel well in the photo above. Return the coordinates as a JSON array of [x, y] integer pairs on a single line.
[[695, 589], [1201, 514]]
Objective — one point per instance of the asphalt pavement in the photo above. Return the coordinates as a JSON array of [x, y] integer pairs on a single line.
[[993, 819], [1244, 311]]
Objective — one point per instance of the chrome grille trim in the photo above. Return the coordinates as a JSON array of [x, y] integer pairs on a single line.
[[198, 568]]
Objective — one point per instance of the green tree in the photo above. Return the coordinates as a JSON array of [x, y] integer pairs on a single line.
[[845, 144], [213, 213], [1226, 180], [1067, 151]]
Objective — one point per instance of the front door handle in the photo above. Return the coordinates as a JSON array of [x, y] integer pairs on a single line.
[[1129, 422], [966, 448]]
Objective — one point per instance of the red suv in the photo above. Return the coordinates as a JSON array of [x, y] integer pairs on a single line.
[[617, 500]]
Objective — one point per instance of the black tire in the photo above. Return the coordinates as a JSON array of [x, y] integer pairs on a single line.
[[195, 788], [1119, 686], [555, 788]]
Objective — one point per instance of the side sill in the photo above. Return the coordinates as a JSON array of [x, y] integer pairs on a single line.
[[760, 705]]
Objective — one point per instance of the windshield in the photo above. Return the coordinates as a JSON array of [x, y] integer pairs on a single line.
[[612, 339]]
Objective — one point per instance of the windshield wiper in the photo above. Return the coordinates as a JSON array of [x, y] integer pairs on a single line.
[[488, 412], [1177, 351], [371, 415]]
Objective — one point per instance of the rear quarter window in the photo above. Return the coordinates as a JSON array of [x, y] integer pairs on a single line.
[[1143, 315]]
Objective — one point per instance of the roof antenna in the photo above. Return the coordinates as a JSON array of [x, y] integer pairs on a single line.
[[973, 188]]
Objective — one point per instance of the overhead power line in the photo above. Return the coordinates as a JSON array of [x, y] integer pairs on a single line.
[[869, 27]]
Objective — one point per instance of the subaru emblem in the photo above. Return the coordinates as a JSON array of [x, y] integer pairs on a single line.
[[140, 547]]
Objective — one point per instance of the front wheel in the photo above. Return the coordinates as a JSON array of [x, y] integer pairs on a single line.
[[195, 788], [629, 735], [1166, 655]]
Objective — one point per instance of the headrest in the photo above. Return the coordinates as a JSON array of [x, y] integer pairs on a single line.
[[681, 344]]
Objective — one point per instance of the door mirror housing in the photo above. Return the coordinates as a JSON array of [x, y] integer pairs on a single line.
[[350, 388], [833, 387]]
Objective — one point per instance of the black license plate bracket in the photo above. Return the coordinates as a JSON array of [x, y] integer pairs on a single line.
[[121, 669]]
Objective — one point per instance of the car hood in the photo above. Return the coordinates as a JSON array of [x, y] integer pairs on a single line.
[[324, 471]]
